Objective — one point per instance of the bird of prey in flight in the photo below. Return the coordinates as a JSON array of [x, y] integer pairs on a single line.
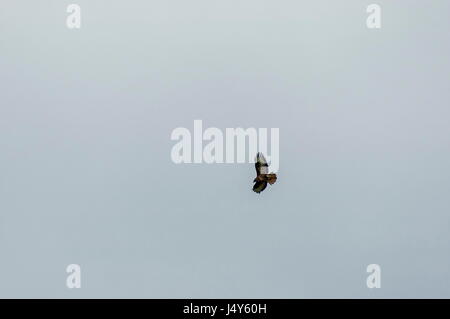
[[262, 174]]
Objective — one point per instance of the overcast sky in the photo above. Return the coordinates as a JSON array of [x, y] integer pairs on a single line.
[[86, 175]]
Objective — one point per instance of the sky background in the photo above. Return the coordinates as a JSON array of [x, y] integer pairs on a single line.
[[86, 175]]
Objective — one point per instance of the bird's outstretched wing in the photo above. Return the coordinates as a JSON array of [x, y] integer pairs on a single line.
[[261, 164], [259, 186]]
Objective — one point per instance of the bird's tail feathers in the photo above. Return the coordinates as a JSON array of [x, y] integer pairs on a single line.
[[271, 178]]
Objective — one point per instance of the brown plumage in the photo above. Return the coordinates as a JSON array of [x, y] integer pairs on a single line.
[[262, 174]]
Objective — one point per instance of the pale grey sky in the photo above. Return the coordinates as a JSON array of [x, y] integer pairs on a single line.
[[86, 175]]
